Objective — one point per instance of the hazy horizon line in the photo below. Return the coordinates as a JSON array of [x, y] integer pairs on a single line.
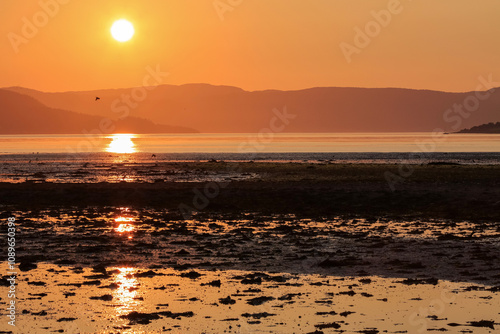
[[245, 90]]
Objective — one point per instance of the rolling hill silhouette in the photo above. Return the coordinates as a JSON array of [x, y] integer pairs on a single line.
[[210, 108], [483, 128], [22, 114]]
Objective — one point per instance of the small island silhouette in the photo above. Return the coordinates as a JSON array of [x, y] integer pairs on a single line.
[[484, 128]]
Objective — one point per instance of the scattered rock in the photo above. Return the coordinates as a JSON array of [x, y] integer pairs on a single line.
[[97, 276], [149, 273], [192, 275], [215, 283], [346, 313], [106, 298], [172, 315], [95, 282], [37, 283], [38, 294], [483, 323], [330, 325], [415, 281], [259, 300], [349, 293], [326, 313], [256, 280], [27, 266], [140, 318], [227, 301], [257, 315], [289, 296], [41, 313]]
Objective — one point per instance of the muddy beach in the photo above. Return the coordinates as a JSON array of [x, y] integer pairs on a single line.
[[289, 248], [434, 191]]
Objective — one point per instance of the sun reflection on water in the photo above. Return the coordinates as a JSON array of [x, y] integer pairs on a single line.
[[125, 228], [121, 143], [124, 225], [125, 295]]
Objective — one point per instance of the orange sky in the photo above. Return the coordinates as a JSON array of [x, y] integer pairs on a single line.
[[260, 44]]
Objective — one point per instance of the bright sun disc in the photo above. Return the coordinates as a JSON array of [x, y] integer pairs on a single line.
[[122, 30]]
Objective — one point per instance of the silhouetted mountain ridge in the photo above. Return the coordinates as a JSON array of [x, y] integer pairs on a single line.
[[22, 114], [210, 108]]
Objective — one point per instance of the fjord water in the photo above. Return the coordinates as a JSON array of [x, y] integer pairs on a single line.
[[426, 142]]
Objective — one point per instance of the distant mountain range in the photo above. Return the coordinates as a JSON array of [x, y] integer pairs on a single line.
[[484, 128], [216, 109], [22, 114]]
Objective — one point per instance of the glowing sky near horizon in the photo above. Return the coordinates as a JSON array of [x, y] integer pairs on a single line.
[[257, 44]]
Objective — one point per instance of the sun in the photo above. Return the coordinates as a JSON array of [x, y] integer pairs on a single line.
[[122, 30]]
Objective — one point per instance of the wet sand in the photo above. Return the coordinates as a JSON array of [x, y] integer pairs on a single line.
[[133, 300], [294, 248]]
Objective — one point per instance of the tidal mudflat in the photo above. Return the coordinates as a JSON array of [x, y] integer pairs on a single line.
[[65, 299], [109, 270], [284, 247]]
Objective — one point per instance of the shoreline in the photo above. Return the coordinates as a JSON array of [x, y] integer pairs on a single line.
[[274, 252], [453, 192]]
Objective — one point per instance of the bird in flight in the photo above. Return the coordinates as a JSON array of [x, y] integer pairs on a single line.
[[97, 98]]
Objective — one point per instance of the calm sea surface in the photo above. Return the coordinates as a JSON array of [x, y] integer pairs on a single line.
[[251, 143]]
